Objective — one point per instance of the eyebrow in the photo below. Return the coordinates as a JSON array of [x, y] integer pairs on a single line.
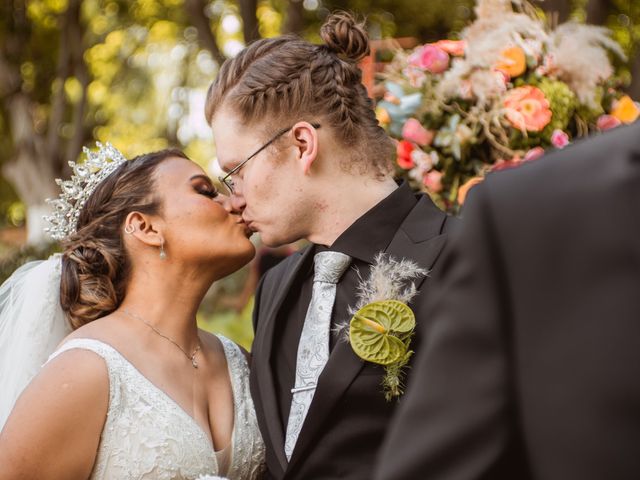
[[200, 176]]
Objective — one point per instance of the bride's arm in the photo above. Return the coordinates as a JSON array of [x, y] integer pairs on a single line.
[[54, 430]]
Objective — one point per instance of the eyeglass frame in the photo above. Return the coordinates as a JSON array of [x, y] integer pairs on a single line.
[[226, 179]]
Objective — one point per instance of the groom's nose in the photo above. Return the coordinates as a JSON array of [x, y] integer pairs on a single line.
[[237, 203]]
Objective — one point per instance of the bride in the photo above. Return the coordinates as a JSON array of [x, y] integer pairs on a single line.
[[137, 390]]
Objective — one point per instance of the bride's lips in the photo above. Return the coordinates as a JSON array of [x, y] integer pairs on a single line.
[[247, 230]]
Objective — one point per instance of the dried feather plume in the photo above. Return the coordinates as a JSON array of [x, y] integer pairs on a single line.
[[389, 279]]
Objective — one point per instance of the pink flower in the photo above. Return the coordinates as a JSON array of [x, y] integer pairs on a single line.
[[452, 47], [415, 132], [607, 122], [533, 154], [559, 139], [527, 108], [430, 58], [403, 153], [433, 181]]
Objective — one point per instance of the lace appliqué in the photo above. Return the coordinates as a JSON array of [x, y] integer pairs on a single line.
[[147, 435]]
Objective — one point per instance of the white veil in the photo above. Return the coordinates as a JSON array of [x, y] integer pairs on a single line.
[[32, 324]]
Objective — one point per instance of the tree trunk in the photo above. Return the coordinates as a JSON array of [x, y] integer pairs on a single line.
[[206, 37], [295, 17], [249, 20], [557, 10], [597, 11]]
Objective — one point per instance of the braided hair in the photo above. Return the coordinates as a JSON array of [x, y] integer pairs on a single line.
[[287, 79]]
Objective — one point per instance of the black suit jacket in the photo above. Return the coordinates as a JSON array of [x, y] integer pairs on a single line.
[[348, 417], [532, 368]]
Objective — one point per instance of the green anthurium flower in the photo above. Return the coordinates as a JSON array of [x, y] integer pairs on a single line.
[[379, 330]]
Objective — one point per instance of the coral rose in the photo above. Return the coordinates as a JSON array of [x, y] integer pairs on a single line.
[[526, 108]]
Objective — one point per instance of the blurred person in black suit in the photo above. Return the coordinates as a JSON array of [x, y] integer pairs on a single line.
[[532, 365]]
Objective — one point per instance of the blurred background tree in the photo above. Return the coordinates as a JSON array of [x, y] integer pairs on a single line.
[[135, 73]]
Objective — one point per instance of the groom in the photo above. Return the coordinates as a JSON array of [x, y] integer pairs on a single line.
[[321, 409]]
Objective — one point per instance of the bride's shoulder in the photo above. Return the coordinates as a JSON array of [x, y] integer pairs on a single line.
[[215, 345]]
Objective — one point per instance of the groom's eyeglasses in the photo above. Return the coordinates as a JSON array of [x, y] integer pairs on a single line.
[[228, 181]]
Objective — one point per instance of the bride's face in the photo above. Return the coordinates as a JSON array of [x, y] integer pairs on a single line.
[[196, 225]]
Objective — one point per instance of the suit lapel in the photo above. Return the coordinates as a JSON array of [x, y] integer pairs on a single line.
[[265, 380], [419, 238]]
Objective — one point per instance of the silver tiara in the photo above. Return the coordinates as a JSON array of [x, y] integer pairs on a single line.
[[75, 191]]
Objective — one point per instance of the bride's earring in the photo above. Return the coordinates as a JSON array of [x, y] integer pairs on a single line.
[[163, 255], [129, 229]]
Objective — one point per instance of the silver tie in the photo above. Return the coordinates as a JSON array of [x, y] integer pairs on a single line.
[[313, 348]]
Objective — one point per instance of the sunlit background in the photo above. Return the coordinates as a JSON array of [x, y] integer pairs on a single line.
[[135, 73]]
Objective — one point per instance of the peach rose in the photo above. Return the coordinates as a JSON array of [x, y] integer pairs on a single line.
[[526, 108]]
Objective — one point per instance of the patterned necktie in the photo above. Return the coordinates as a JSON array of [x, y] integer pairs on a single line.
[[313, 348]]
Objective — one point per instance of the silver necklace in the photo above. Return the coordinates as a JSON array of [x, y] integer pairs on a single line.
[[191, 357]]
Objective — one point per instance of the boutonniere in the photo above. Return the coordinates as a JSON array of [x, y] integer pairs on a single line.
[[382, 324]]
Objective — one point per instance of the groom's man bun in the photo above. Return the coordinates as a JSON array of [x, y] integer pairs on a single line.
[[345, 37], [287, 79], [95, 263]]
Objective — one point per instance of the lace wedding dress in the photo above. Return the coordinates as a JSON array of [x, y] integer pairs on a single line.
[[147, 435]]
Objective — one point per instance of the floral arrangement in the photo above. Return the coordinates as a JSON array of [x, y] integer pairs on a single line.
[[506, 91]]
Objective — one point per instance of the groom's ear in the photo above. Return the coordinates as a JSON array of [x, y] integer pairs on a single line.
[[144, 228], [305, 138]]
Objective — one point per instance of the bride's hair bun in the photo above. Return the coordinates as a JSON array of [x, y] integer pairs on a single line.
[[345, 37]]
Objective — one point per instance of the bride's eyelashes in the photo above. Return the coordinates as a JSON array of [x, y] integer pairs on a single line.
[[207, 191]]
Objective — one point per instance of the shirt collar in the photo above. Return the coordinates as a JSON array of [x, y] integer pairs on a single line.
[[372, 232]]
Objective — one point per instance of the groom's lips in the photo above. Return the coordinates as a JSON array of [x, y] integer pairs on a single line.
[[247, 229]]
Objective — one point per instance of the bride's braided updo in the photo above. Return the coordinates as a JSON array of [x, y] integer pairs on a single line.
[[95, 264], [287, 79]]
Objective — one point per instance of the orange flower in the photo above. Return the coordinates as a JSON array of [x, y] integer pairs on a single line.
[[464, 189], [527, 108], [513, 62], [625, 110]]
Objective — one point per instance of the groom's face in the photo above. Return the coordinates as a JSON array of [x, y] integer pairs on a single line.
[[266, 190]]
